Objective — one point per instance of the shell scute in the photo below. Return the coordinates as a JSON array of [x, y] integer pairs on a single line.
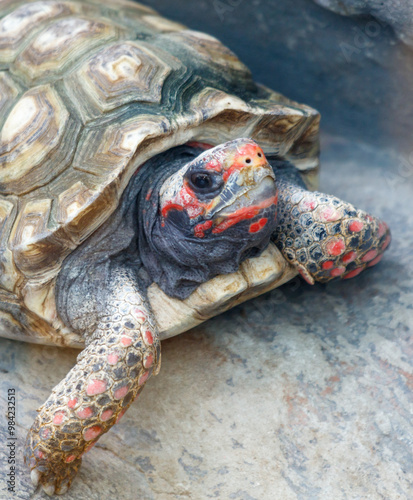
[[35, 141], [117, 75], [60, 45], [18, 26]]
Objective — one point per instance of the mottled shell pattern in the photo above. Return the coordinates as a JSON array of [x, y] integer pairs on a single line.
[[89, 90]]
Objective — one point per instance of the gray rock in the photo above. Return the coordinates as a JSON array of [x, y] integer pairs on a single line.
[[303, 393], [397, 13]]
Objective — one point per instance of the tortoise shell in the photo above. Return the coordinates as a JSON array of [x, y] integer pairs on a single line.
[[88, 93]]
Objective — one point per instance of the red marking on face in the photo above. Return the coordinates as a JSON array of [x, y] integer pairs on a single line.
[[329, 214], [121, 393], [308, 204], [96, 387], [113, 359], [386, 242], [170, 206], [120, 415], [247, 155], [72, 403], [85, 412], [200, 229], [328, 264], [148, 337], [190, 202], [92, 432], [106, 415], [143, 378], [355, 226], [148, 196], [214, 165], [243, 214], [148, 361], [353, 273], [58, 418], [126, 341], [349, 257], [375, 261], [70, 458], [257, 226], [336, 247], [372, 254], [338, 271]]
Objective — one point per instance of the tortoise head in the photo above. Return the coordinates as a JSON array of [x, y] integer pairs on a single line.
[[212, 213]]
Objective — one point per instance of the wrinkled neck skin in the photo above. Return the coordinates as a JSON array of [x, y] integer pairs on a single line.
[[159, 250]]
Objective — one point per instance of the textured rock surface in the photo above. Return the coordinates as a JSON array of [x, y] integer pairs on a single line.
[[303, 393], [397, 13]]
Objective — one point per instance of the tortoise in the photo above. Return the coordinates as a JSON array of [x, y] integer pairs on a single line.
[[147, 183]]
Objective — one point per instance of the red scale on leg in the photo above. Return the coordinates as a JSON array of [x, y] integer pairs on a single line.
[[59, 418], [386, 242], [121, 392], [72, 403], [336, 247], [349, 257], [355, 226], [307, 204], [143, 378], [96, 387], [84, 413], [375, 261], [148, 337], [372, 254], [328, 264], [338, 271], [39, 453], [106, 415], [92, 432], [126, 341], [353, 273], [70, 458], [148, 361], [113, 358], [328, 214], [138, 314]]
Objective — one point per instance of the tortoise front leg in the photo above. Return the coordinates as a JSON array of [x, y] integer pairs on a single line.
[[108, 376], [325, 237]]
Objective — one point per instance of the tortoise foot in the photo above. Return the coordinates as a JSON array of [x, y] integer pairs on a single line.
[[327, 238], [52, 471]]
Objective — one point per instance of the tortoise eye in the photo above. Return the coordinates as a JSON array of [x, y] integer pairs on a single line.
[[201, 181]]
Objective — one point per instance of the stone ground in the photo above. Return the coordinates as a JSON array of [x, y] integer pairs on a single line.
[[304, 393]]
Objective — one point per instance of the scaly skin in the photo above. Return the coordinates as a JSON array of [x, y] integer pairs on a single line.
[[109, 374], [325, 237]]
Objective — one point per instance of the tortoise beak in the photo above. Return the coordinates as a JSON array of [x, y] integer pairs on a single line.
[[251, 186]]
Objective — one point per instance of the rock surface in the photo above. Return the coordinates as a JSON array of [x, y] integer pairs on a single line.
[[397, 13], [303, 393]]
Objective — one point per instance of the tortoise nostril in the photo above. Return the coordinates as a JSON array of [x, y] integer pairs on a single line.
[[259, 155], [248, 160]]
